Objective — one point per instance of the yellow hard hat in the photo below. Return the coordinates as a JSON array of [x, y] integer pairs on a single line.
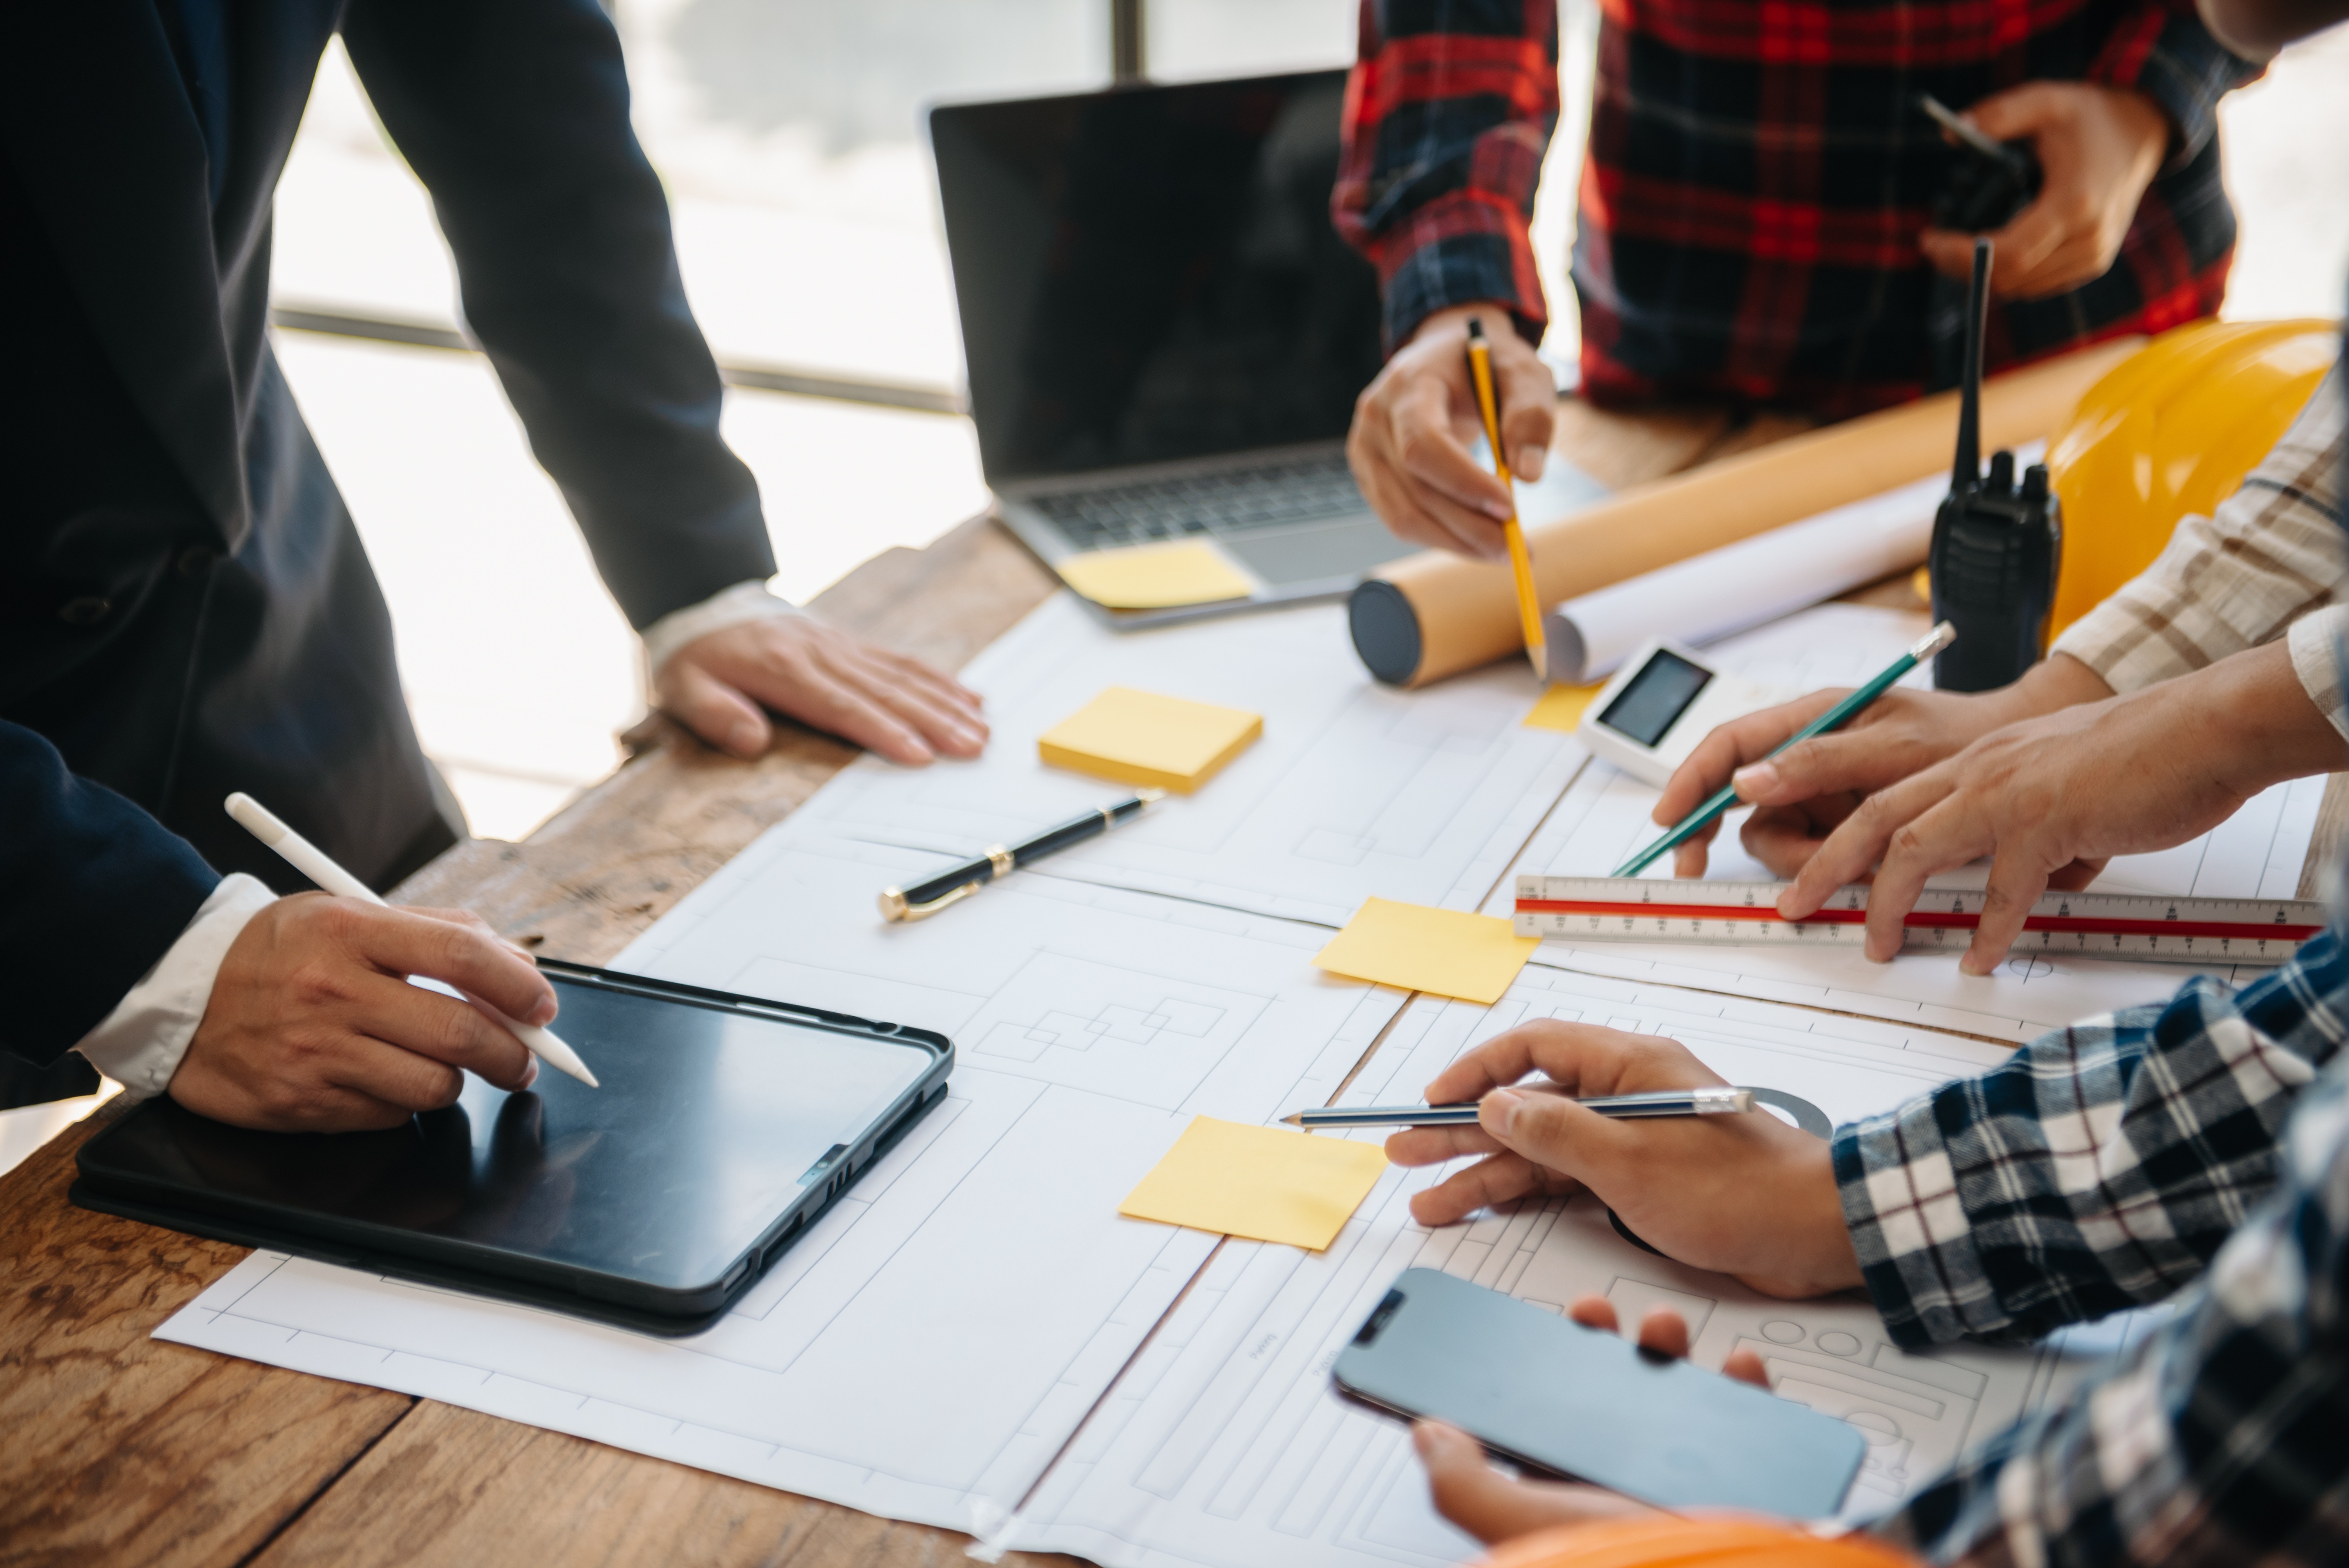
[[2171, 430], [1674, 1542]]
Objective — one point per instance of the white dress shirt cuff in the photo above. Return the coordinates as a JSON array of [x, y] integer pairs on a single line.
[[747, 601], [140, 1044]]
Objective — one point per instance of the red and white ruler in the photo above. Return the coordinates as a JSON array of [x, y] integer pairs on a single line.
[[2090, 925]]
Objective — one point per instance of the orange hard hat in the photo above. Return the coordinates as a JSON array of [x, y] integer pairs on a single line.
[[2169, 431], [1668, 1542]]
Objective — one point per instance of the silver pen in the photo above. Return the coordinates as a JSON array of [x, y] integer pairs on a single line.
[[1653, 1102]]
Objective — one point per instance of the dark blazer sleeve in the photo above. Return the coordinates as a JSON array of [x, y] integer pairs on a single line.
[[97, 891], [514, 113]]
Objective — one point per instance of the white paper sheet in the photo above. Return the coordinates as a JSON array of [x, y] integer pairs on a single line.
[[1225, 1445], [931, 1343], [1355, 788], [1755, 581], [1604, 817]]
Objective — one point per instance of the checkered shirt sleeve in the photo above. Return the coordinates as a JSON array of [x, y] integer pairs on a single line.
[[2102, 1167], [2162, 50], [2224, 1437], [2267, 563], [1448, 113]]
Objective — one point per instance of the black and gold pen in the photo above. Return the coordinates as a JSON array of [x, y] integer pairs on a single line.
[[926, 898]]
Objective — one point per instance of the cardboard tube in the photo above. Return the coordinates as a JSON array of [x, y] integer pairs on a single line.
[[1434, 615]]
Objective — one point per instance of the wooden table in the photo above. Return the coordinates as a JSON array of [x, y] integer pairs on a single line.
[[115, 1447]]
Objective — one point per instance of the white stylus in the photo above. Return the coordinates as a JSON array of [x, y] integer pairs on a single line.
[[313, 862]]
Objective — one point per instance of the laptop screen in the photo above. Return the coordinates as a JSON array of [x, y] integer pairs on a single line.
[[1149, 273]]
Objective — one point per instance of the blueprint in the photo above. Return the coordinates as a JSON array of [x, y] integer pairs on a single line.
[[973, 1336], [1224, 1444], [1355, 788], [2255, 853], [933, 1340]]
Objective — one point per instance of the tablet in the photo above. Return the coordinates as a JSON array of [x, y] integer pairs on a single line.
[[725, 1125]]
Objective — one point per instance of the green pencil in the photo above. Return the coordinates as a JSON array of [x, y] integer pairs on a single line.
[[1835, 718]]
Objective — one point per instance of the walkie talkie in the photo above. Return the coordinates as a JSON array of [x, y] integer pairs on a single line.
[[1996, 545], [1990, 182]]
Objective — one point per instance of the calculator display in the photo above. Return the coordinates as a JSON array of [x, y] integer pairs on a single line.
[[1655, 697]]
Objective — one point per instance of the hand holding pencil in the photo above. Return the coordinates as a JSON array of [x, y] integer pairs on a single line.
[[1743, 1194], [1415, 429], [1521, 561]]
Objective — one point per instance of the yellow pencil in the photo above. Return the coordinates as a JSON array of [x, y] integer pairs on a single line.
[[1521, 562]]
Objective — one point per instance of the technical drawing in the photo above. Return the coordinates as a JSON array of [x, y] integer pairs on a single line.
[[1353, 789], [1113, 1030], [931, 1344], [1226, 1444], [1914, 1428], [976, 1326]]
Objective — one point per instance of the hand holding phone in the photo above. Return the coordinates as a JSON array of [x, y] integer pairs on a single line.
[[1582, 1404], [1495, 1506]]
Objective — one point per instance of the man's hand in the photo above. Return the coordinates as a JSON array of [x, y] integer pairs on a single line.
[[721, 685], [1491, 1507], [1414, 423], [1744, 1195], [2051, 798], [2098, 149], [312, 1026], [1806, 792]]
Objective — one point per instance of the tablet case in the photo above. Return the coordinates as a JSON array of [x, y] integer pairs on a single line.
[[151, 1166]]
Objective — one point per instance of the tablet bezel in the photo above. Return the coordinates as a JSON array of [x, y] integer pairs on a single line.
[[515, 1276]]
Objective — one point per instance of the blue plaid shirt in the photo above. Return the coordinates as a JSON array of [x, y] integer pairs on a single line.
[[2198, 1146]]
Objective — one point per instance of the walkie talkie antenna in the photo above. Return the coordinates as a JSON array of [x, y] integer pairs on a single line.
[[1965, 473]]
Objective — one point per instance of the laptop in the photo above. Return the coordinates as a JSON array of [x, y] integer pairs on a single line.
[[1165, 335]]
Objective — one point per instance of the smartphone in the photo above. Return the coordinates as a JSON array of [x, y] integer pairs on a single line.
[[1664, 700], [1587, 1405]]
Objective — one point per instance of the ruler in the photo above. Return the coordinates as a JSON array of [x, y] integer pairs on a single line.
[[2089, 924]]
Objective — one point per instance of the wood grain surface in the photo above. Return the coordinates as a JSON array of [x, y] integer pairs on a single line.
[[120, 1447], [599, 872], [117, 1448]]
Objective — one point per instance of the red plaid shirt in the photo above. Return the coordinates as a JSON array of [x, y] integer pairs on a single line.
[[1757, 177]]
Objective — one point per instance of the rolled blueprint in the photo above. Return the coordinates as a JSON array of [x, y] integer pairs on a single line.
[[1725, 590], [1434, 615]]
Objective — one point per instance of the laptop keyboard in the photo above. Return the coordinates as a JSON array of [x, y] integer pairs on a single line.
[[1230, 501]]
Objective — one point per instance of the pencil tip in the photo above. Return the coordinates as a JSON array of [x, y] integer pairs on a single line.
[[1297, 1120]]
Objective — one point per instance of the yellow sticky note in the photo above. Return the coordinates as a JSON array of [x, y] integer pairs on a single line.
[[1561, 708], [1471, 956], [1156, 576], [1266, 1183], [1141, 738]]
